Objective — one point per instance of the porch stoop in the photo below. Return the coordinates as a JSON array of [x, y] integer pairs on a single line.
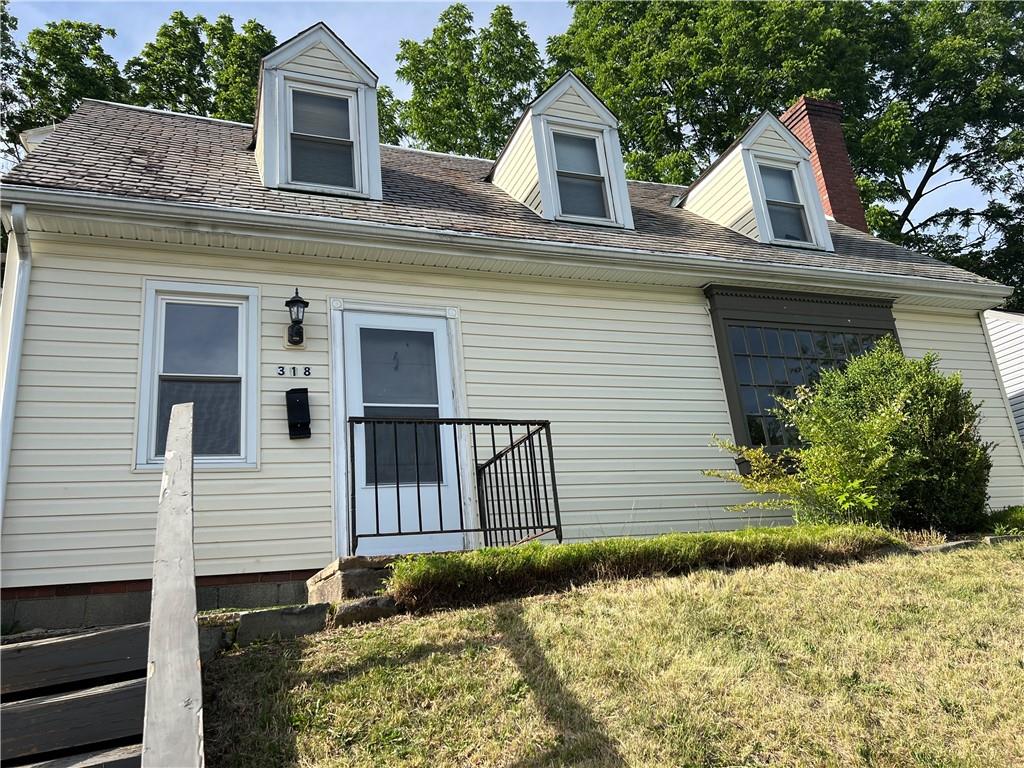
[[348, 577]]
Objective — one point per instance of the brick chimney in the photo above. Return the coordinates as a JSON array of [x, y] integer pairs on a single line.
[[818, 124]]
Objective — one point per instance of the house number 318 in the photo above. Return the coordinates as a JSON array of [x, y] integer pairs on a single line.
[[293, 370]]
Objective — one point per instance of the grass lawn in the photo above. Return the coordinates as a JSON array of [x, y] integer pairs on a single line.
[[901, 661]]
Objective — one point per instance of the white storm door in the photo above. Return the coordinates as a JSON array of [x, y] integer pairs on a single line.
[[399, 367]]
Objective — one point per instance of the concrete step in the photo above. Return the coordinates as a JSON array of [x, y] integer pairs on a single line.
[[348, 577]]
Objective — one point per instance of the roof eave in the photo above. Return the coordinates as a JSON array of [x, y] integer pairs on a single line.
[[706, 266]]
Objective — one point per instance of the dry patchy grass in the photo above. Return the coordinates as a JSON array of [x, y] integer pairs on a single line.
[[900, 661]]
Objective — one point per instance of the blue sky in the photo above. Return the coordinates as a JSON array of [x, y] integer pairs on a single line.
[[372, 29]]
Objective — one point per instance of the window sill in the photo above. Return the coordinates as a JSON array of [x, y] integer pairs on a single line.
[[206, 466], [323, 189], [588, 220]]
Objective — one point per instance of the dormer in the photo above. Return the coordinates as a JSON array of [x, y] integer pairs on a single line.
[[316, 120], [763, 187], [563, 160]]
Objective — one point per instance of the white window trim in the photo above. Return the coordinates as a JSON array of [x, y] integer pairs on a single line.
[[157, 292], [356, 136], [616, 196], [807, 193]]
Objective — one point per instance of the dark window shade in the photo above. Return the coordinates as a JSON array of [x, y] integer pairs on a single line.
[[414, 441], [217, 420], [323, 161]]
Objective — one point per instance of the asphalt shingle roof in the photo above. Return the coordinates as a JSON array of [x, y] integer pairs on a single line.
[[129, 152]]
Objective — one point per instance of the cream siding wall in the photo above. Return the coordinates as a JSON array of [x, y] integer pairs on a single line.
[[628, 377], [11, 267], [319, 61], [959, 340], [725, 199], [570, 105], [517, 174], [1007, 334]]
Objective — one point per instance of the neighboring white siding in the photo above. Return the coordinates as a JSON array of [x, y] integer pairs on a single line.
[[319, 61], [517, 174], [628, 377], [959, 340], [571, 106], [725, 199], [1006, 331]]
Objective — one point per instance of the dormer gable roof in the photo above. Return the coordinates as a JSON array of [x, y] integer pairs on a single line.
[[320, 34], [564, 161], [736, 189]]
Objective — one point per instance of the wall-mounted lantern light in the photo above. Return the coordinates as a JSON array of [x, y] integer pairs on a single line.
[[297, 309]]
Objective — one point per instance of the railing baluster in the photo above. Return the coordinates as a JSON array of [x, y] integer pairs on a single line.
[[458, 474], [416, 457], [515, 484], [544, 482], [376, 478], [353, 533], [398, 485], [554, 485], [538, 522], [440, 473], [482, 505]]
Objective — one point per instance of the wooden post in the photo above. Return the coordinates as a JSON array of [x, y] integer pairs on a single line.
[[173, 730]]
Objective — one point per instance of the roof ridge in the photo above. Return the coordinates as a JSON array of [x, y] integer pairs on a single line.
[[437, 154], [167, 112]]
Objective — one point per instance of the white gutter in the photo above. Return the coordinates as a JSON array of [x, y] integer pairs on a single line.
[[9, 395], [204, 217]]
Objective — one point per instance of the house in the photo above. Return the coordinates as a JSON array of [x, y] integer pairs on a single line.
[[1006, 332], [597, 331]]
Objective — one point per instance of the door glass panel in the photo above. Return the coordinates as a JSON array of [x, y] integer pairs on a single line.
[[398, 366], [201, 339], [414, 441]]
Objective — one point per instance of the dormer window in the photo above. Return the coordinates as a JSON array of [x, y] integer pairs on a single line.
[[564, 161], [787, 214], [316, 119], [321, 145], [582, 178]]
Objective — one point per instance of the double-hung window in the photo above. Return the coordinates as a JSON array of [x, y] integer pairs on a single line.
[[581, 175], [321, 141], [787, 213], [200, 347]]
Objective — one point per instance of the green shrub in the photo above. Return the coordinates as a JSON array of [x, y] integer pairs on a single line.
[[887, 439], [1008, 521], [423, 582]]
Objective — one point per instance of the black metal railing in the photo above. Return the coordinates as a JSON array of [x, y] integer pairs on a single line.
[[410, 472]]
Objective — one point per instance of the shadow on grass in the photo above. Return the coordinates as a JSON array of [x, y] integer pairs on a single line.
[[251, 718]]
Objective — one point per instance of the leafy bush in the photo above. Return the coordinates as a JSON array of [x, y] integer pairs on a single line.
[[887, 440], [1008, 521], [423, 582]]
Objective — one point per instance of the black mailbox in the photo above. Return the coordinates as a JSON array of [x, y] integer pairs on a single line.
[[298, 413]]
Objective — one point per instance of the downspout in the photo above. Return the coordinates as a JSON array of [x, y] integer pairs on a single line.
[[9, 398]]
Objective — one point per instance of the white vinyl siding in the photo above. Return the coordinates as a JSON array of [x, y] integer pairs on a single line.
[[628, 377], [517, 173], [959, 340], [772, 142], [725, 198], [320, 62], [1007, 334], [569, 105]]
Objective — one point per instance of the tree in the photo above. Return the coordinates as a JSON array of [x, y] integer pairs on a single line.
[[172, 71], [61, 64], [932, 95], [468, 88], [233, 58], [389, 116], [11, 59], [508, 67]]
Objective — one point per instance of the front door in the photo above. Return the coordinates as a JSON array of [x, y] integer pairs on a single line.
[[406, 492]]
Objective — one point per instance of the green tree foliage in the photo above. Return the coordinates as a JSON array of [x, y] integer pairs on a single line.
[[389, 115], [887, 439], [468, 88], [933, 94], [59, 65], [172, 71], [11, 59], [233, 58]]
